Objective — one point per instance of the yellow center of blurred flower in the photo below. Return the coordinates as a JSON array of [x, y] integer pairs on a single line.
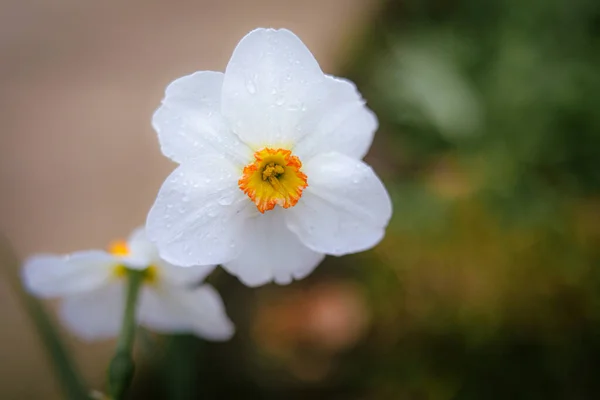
[[273, 178], [120, 248], [150, 274]]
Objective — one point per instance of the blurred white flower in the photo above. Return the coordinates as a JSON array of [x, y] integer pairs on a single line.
[[270, 176], [93, 287]]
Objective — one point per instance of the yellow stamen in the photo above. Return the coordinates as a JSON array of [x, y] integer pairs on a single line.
[[151, 274], [273, 178], [272, 171], [120, 271]]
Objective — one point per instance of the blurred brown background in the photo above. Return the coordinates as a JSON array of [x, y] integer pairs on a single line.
[[79, 161]]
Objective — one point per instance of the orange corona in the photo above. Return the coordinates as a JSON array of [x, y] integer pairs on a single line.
[[273, 178]]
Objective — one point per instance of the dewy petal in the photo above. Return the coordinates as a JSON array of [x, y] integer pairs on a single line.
[[54, 276], [198, 213], [177, 310], [345, 208], [189, 121], [343, 124], [143, 254], [95, 315], [271, 82], [271, 252]]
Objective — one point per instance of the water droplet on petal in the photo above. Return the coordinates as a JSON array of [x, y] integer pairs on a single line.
[[225, 200], [251, 87]]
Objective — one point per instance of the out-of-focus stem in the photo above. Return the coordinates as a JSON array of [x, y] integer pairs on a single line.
[[121, 369]]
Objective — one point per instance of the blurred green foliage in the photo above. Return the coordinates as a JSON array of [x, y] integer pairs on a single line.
[[492, 132], [510, 87]]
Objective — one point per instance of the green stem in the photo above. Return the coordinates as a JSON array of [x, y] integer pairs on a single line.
[[121, 369], [64, 367], [181, 368]]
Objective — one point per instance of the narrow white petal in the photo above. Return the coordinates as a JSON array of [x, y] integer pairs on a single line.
[[189, 121], [199, 311], [271, 82], [54, 276], [271, 252], [344, 209], [95, 315], [343, 124], [197, 216]]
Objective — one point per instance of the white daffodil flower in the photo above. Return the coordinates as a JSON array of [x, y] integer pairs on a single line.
[[93, 287], [270, 176]]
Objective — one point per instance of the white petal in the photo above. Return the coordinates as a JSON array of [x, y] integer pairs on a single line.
[[142, 252], [198, 214], [176, 310], [95, 315], [272, 253], [142, 249], [271, 82], [343, 124], [184, 276], [344, 209], [54, 276], [189, 121]]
